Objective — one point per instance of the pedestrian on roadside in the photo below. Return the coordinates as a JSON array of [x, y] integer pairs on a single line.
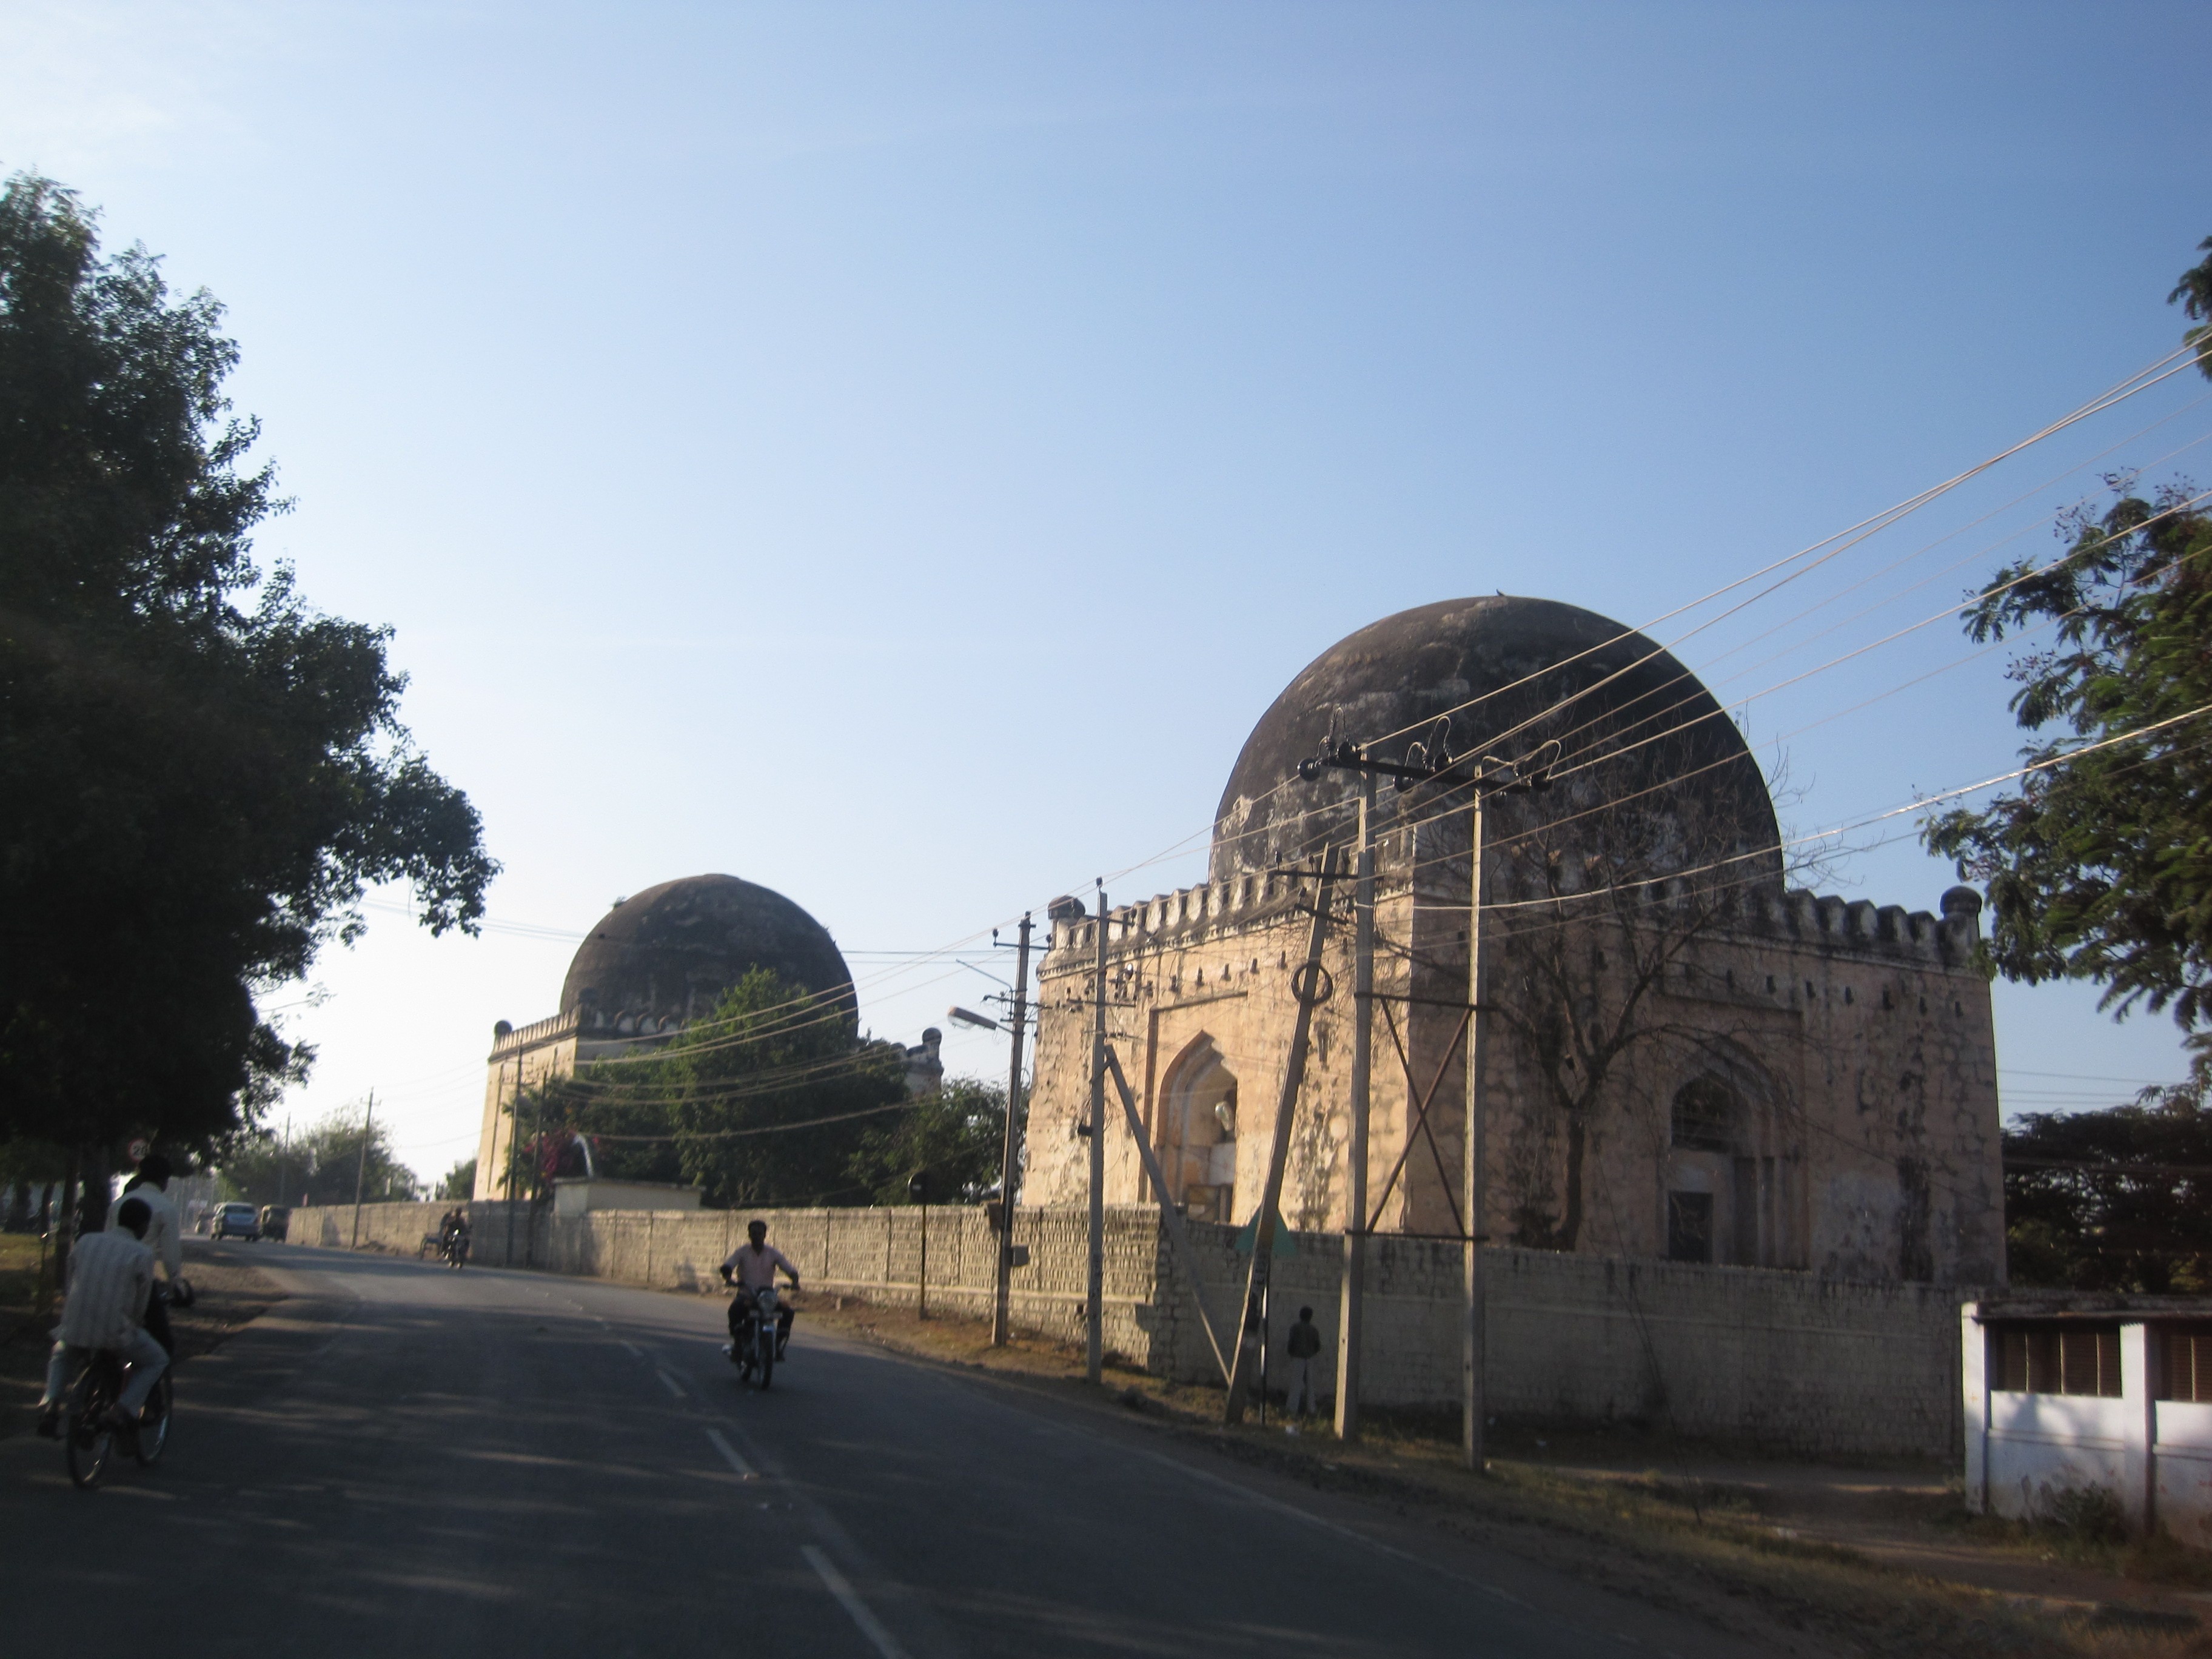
[[1305, 1345]]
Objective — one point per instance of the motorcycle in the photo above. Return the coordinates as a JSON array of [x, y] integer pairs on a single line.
[[457, 1249], [757, 1345]]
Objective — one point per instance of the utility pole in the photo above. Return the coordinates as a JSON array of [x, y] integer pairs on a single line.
[[1350, 1303], [1011, 1161], [360, 1168], [514, 1143], [1425, 762], [1094, 1312], [537, 1151], [1474, 1343], [284, 1143]]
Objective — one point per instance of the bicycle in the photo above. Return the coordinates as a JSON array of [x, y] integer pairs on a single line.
[[87, 1436]]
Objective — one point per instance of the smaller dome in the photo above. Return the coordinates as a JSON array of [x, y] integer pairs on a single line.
[[668, 953]]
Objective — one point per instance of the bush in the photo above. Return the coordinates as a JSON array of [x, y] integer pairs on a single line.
[[2092, 1514]]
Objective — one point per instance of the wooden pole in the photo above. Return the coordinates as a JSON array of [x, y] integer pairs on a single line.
[[1350, 1303], [1009, 1163], [1306, 987], [1170, 1215], [61, 1226]]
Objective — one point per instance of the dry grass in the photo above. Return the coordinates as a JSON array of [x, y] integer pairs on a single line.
[[2156, 1560]]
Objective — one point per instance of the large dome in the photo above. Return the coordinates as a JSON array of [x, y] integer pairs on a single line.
[[672, 951], [1634, 723]]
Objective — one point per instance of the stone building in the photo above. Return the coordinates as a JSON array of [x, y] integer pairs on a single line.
[[654, 964], [1684, 1055]]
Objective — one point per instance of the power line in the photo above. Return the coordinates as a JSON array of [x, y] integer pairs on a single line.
[[1843, 541]]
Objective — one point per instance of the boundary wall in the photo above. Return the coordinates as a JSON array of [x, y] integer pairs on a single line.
[[1782, 1359]]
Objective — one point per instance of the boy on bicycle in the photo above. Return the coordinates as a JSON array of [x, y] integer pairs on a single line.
[[111, 1274]]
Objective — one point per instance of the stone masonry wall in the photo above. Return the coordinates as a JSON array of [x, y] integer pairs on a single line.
[[1782, 1359]]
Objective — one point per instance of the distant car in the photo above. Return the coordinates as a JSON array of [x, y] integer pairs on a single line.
[[236, 1221], [275, 1221]]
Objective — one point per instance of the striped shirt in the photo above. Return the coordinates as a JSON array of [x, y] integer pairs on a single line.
[[109, 1276]]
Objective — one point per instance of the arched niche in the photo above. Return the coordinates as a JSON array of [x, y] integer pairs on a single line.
[[1198, 1131], [1733, 1173]]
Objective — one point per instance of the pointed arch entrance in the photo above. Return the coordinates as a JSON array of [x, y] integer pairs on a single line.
[[1734, 1171], [1198, 1131]]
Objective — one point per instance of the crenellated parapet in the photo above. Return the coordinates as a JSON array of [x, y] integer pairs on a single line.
[[1254, 900], [508, 1041], [1863, 928], [1190, 915]]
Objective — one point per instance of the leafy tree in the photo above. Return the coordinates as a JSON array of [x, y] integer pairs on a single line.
[[2193, 293], [2112, 1201], [319, 1166], [2099, 866], [207, 772], [765, 1102], [460, 1182], [955, 1139]]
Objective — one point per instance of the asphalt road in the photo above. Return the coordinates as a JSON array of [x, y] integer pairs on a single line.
[[404, 1459]]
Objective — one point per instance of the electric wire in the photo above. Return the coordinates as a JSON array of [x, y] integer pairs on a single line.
[[2142, 381], [1843, 540]]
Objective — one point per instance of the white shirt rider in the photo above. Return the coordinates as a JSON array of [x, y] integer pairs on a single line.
[[754, 1264], [163, 1237]]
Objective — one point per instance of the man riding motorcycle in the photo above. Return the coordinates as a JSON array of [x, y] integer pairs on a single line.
[[751, 1269], [454, 1235]]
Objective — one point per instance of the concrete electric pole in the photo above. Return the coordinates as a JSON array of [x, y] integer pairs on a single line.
[[360, 1168], [1474, 1348], [1094, 1306], [1009, 1163], [1350, 1303]]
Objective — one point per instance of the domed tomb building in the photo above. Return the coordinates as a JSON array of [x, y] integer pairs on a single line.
[[1683, 1054], [656, 962]]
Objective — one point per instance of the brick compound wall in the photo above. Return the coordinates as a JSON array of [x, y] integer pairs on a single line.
[[1782, 1359]]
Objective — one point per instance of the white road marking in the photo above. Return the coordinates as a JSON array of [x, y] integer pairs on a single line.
[[729, 1457], [669, 1383], [633, 1347], [871, 1626]]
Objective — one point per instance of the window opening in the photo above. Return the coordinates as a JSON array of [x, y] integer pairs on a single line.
[[2188, 1368], [2081, 1359], [1705, 1116]]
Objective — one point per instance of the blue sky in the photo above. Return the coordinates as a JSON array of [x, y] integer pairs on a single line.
[[895, 453]]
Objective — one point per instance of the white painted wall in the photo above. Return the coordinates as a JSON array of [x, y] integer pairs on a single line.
[[2023, 1450]]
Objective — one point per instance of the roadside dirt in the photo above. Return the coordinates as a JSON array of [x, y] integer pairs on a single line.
[[231, 1293], [1805, 1562]]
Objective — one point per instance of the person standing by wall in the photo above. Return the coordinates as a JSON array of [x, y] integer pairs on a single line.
[[1305, 1345]]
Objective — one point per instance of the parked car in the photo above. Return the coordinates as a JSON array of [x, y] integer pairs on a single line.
[[236, 1221], [275, 1221]]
